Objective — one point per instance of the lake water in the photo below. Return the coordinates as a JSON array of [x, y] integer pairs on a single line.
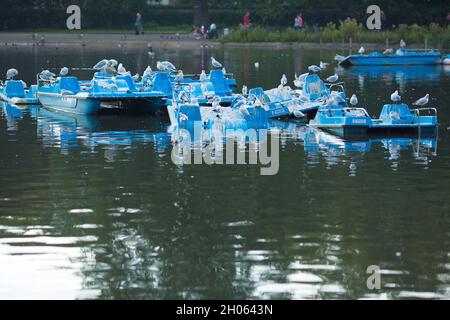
[[93, 207]]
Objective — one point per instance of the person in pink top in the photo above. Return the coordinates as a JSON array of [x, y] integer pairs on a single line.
[[247, 19], [298, 23]]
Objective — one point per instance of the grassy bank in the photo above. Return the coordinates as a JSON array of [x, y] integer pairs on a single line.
[[436, 36]]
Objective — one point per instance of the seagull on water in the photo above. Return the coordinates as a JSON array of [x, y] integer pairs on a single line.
[[332, 78], [395, 97], [422, 101], [339, 58], [216, 64], [11, 73], [354, 100]]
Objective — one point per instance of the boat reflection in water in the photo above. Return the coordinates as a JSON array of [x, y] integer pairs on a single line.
[[114, 133], [336, 150], [69, 131], [400, 75]]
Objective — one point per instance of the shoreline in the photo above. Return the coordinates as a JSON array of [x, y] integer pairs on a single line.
[[162, 41]]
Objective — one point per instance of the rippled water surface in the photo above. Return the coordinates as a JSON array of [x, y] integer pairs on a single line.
[[94, 207]]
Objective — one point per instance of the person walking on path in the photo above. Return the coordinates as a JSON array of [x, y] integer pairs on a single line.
[[138, 24], [298, 23]]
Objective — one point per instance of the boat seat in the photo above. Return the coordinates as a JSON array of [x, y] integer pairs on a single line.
[[259, 92], [14, 89], [162, 83], [129, 80], [220, 82], [401, 111], [69, 84], [314, 87]]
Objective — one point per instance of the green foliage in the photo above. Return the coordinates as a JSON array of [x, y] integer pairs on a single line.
[[437, 36]]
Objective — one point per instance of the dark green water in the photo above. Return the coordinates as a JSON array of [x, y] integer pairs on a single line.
[[95, 208]]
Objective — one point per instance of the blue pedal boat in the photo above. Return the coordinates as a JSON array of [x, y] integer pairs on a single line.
[[400, 118], [342, 121], [15, 92], [67, 95], [400, 57]]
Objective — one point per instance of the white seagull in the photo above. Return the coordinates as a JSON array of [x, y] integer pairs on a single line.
[[283, 80], [100, 65], [11, 73], [422, 101], [64, 71], [179, 77], [332, 78], [165, 66], [216, 64], [395, 97], [147, 72], [323, 65], [244, 90], [339, 58], [121, 69], [402, 44], [361, 50], [388, 51], [203, 76], [314, 68], [257, 65], [354, 100]]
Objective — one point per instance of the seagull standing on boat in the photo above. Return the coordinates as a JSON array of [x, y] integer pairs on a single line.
[[11, 73], [165, 66], [47, 75], [298, 114], [244, 90], [224, 71], [297, 82], [395, 97], [64, 71], [101, 65], [283, 80], [216, 104], [388, 51], [147, 72], [179, 77], [361, 50], [323, 65], [422, 101], [314, 68], [332, 78], [402, 44], [121, 69], [354, 100], [203, 76], [216, 64]]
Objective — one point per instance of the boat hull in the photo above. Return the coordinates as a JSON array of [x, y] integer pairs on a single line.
[[70, 104], [392, 60]]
